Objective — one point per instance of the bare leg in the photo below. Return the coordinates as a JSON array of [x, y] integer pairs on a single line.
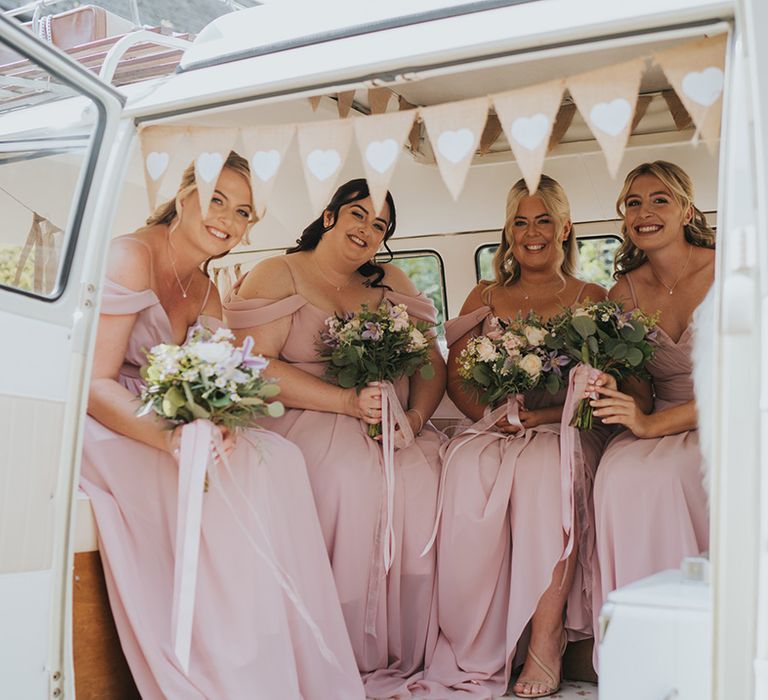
[[547, 632]]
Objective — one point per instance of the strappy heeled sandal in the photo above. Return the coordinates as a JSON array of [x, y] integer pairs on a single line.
[[551, 681]]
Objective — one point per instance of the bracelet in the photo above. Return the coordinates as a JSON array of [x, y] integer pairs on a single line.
[[421, 418]]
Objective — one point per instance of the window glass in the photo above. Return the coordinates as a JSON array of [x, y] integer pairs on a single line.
[[46, 128], [595, 259], [426, 271]]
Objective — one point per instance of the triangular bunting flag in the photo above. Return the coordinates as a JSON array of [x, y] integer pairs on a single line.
[[211, 147], [314, 102], [378, 99], [695, 71], [159, 144], [454, 131], [380, 140], [265, 147], [527, 116], [490, 135], [323, 147], [344, 102], [563, 121]]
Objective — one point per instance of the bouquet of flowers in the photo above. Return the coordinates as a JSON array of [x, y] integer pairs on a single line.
[[510, 359], [208, 377], [606, 337], [375, 345]]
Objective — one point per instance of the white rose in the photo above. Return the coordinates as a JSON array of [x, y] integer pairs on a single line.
[[418, 340], [581, 311], [534, 335], [531, 365], [486, 351], [212, 353]]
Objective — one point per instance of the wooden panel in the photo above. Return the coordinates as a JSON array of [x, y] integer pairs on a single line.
[[101, 672], [30, 451]]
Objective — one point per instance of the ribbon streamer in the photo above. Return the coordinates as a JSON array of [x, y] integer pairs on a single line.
[[46, 258]]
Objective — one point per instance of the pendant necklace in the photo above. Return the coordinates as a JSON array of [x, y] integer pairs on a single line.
[[334, 285], [671, 289], [526, 295], [182, 288]]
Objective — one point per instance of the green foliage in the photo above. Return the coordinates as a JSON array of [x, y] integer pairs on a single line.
[[424, 271], [9, 261]]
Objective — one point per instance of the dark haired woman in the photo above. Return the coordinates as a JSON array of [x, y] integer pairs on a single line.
[[650, 504], [283, 304], [248, 640]]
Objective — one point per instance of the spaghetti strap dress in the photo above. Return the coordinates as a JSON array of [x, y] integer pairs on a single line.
[[248, 639], [391, 617], [650, 503], [500, 538]]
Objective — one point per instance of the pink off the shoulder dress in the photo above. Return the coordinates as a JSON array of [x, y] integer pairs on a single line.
[[650, 503], [501, 536], [389, 616], [248, 640]]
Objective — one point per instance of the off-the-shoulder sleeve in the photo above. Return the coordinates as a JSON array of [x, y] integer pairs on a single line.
[[419, 306], [247, 313], [455, 328], [117, 300]]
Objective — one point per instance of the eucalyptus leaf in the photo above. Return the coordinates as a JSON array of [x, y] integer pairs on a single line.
[[584, 326], [427, 371], [634, 357], [270, 390], [275, 409], [634, 332]]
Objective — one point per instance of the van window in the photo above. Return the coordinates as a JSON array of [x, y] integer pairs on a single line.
[[425, 268], [46, 128], [595, 259]]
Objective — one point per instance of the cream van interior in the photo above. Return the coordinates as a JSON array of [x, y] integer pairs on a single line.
[[257, 79]]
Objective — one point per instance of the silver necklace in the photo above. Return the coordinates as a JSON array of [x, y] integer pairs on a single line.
[[182, 288], [327, 279], [679, 276], [526, 296]]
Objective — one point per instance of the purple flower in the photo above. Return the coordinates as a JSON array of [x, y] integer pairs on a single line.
[[372, 331], [256, 362], [554, 362]]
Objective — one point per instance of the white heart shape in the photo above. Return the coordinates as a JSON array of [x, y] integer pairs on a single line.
[[265, 164], [323, 163], [611, 117], [530, 131], [209, 166], [381, 155], [704, 87], [455, 145], [157, 164]]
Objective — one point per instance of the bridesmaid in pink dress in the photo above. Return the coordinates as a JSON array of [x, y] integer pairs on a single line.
[[501, 541], [650, 504], [248, 639], [283, 303]]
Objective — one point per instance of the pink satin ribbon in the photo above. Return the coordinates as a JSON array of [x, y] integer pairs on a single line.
[[392, 414], [201, 440], [572, 478], [510, 409]]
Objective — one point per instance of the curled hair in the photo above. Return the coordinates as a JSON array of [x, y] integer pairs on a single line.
[[170, 213], [697, 232], [349, 192], [505, 266]]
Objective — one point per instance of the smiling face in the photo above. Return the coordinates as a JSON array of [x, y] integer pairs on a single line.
[[229, 215], [358, 231], [653, 217], [533, 236]]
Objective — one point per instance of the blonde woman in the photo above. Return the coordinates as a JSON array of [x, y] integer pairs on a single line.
[[501, 540], [650, 504], [248, 640]]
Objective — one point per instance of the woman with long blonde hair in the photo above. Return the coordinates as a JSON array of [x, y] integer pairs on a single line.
[[650, 503], [501, 544], [254, 634]]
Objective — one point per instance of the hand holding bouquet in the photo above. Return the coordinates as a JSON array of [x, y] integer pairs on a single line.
[[375, 345], [510, 359], [604, 336], [209, 378]]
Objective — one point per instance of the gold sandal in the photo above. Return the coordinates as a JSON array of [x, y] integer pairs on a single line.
[[553, 682]]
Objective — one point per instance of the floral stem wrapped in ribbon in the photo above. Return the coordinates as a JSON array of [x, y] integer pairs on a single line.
[[603, 336], [510, 359], [375, 345]]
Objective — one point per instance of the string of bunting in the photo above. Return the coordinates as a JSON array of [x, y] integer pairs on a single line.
[[532, 118]]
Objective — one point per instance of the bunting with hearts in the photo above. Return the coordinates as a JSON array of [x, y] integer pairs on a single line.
[[323, 147], [696, 72], [527, 117], [265, 148], [380, 140], [606, 98], [159, 144], [454, 130], [211, 146]]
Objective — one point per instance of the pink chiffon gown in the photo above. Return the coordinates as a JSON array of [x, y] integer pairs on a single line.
[[391, 618], [650, 503], [248, 640], [500, 538]]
